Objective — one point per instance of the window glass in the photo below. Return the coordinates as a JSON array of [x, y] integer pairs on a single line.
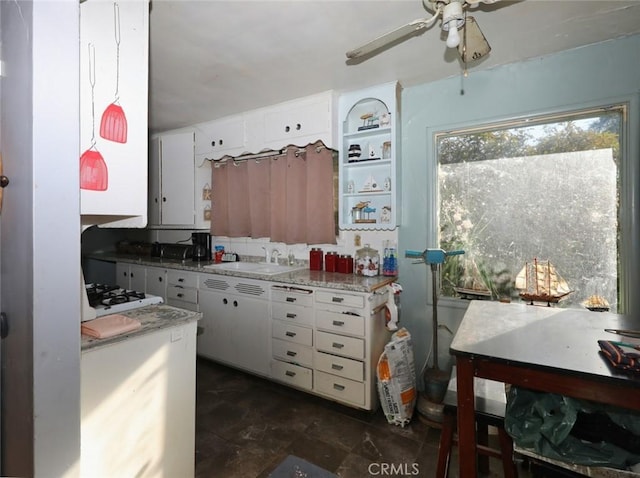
[[542, 192]]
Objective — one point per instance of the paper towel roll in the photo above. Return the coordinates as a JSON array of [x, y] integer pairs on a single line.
[[391, 311]]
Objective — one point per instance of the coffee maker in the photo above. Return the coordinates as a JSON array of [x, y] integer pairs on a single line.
[[201, 246]]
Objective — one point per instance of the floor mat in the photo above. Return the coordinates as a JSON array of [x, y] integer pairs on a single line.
[[294, 467]]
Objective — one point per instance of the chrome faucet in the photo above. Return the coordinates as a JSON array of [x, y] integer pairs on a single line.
[[267, 255], [274, 255]]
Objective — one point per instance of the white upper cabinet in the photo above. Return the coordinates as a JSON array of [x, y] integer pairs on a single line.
[[300, 122], [369, 158], [221, 137], [114, 53], [171, 173]]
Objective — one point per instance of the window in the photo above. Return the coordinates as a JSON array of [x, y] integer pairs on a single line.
[[532, 191]]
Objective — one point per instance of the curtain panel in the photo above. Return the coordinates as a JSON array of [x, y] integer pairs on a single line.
[[289, 197]]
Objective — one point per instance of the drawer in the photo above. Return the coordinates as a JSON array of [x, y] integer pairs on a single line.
[[340, 298], [292, 333], [340, 322], [340, 388], [292, 352], [339, 344], [181, 304], [292, 313], [343, 367], [291, 295], [292, 374], [180, 293], [182, 278]]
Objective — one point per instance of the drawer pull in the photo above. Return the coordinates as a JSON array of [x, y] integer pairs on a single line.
[[336, 345], [338, 387], [337, 299], [335, 366], [291, 299], [181, 295], [181, 280], [338, 323], [291, 315], [290, 334], [289, 373], [291, 353]]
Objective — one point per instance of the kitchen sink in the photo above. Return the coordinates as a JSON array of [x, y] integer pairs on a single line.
[[258, 268]]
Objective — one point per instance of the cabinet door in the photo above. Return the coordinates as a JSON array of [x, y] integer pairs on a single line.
[[154, 182], [217, 321], [250, 334], [137, 278], [157, 282], [113, 152], [221, 137], [122, 275], [298, 123], [177, 179]]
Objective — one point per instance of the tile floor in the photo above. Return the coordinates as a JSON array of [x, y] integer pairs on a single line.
[[245, 426]]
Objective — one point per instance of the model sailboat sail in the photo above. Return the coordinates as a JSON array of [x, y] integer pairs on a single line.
[[540, 282]]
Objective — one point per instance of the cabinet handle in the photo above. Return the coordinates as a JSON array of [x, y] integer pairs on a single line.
[[338, 323], [213, 143], [235, 303], [164, 199], [291, 316], [220, 142], [298, 127], [159, 279], [335, 366], [225, 301], [291, 353], [291, 299], [290, 334], [156, 200], [337, 299], [287, 129], [289, 373], [339, 387], [180, 295], [336, 345], [181, 280]]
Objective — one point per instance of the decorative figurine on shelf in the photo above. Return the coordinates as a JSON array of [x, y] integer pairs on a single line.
[[351, 187], [354, 153], [370, 185], [372, 152], [369, 121], [385, 120], [385, 214], [387, 184], [361, 213]]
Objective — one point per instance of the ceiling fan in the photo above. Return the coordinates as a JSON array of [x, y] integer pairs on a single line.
[[472, 46]]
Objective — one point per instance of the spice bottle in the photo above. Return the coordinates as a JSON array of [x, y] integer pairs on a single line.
[[315, 259]]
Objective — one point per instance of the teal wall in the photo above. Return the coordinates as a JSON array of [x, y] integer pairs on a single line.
[[590, 76]]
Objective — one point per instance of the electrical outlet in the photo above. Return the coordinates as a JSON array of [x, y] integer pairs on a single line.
[[357, 240]]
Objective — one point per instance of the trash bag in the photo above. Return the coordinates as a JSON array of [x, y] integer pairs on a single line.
[[546, 424]]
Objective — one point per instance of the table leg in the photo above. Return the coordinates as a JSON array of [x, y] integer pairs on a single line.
[[466, 417]]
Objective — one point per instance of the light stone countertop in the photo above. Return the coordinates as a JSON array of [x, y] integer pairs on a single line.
[[303, 277], [152, 317]]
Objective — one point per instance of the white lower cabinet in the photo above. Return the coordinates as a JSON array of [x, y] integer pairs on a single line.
[[182, 289], [350, 335], [157, 282], [131, 276], [235, 322], [323, 341]]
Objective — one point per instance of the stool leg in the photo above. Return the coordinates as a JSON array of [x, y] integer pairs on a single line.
[[444, 449], [506, 449], [483, 439]]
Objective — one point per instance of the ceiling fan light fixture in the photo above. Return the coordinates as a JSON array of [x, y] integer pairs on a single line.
[[452, 20]]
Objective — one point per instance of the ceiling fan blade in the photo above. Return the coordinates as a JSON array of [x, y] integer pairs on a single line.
[[392, 36], [474, 45]]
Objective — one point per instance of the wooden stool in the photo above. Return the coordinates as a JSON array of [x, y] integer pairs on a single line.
[[490, 407]]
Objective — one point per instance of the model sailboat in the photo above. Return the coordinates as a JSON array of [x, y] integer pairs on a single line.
[[538, 281]]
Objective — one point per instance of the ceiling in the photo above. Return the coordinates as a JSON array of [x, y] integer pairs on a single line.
[[215, 58]]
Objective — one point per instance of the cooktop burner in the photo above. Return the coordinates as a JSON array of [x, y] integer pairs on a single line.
[[111, 299]]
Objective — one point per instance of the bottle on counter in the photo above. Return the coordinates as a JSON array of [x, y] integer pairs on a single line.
[[390, 259], [218, 253]]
